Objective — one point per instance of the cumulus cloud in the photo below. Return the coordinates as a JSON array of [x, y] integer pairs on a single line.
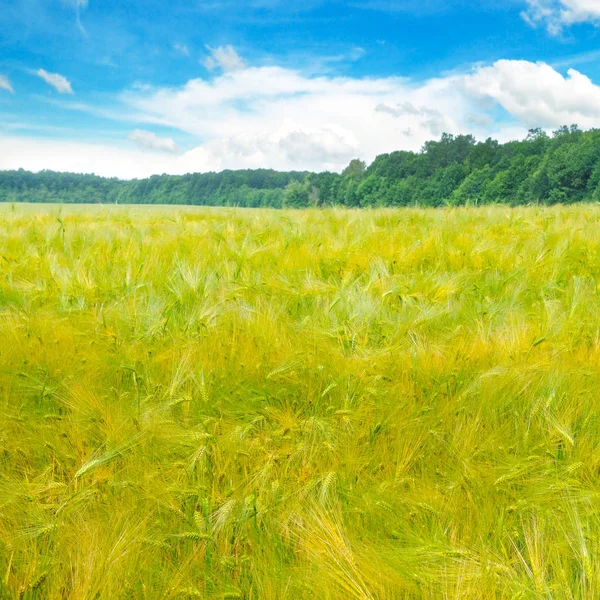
[[405, 108], [479, 120], [556, 14], [5, 84], [321, 145], [536, 94], [224, 58], [281, 118], [150, 141], [432, 119], [284, 119], [61, 84]]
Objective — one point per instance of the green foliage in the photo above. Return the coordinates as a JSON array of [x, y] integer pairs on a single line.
[[454, 170], [229, 188], [355, 170], [296, 195], [473, 189]]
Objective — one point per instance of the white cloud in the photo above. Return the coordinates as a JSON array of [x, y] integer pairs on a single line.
[[556, 14], [61, 84], [150, 141], [78, 5], [537, 95], [281, 118], [433, 119], [5, 84], [36, 154], [182, 49], [318, 146], [223, 57]]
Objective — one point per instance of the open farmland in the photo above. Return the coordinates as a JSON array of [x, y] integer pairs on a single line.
[[282, 405]]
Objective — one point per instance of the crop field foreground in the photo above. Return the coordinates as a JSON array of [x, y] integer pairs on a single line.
[[280, 405]]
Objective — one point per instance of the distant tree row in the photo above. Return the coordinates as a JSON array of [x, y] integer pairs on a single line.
[[456, 170], [261, 187]]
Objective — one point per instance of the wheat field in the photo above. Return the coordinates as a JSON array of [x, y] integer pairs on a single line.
[[280, 405]]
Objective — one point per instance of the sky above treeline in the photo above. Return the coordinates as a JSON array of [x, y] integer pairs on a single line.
[[135, 88]]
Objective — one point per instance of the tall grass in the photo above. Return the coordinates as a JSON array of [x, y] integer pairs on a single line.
[[201, 403]]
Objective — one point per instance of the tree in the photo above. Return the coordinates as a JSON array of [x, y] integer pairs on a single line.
[[536, 134], [355, 170], [296, 195]]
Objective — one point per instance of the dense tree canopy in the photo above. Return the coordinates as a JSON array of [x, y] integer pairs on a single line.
[[454, 170]]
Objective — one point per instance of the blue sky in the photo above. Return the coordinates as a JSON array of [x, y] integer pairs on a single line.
[[134, 88]]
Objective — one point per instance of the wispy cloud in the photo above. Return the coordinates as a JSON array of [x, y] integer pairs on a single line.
[[555, 15], [404, 6], [10, 123], [422, 8], [150, 141], [60, 83], [5, 84], [352, 55], [577, 59], [233, 6], [182, 49], [113, 111], [78, 5], [223, 57]]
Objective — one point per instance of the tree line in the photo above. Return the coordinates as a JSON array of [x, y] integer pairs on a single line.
[[455, 170]]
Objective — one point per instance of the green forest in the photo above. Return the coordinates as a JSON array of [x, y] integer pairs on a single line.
[[456, 170]]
